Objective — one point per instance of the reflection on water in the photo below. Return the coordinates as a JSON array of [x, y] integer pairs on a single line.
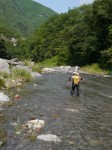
[[83, 123]]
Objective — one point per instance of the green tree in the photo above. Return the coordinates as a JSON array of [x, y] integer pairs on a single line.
[[3, 52]]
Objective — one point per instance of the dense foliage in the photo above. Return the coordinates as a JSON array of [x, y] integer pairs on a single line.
[[81, 36]]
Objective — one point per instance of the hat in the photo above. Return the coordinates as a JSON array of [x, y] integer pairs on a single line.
[[75, 73]]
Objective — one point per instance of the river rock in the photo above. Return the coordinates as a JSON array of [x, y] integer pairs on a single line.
[[49, 137], [48, 70], [1, 143], [63, 69], [4, 66], [35, 74], [17, 97], [3, 98], [9, 83], [35, 125]]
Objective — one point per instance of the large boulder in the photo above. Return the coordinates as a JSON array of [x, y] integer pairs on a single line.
[[15, 61], [4, 66]]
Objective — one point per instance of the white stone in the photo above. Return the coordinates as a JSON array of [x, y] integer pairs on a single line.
[[36, 121], [71, 110], [35, 85], [14, 123], [18, 132], [3, 97], [49, 137], [35, 74], [37, 127], [42, 122], [48, 70], [1, 143]]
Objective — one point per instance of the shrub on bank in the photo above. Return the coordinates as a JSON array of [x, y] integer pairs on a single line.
[[28, 62], [36, 68], [21, 74], [3, 136], [49, 62], [94, 69]]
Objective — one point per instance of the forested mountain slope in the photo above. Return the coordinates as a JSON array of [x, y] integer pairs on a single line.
[[22, 16]]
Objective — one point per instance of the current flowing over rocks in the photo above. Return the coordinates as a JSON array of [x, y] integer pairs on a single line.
[[64, 121], [70, 122]]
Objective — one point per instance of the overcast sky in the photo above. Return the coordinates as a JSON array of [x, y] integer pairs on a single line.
[[62, 6]]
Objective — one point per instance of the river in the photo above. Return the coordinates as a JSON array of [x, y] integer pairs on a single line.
[[81, 123]]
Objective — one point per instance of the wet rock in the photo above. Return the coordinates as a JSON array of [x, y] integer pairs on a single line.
[[49, 137], [35, 85], [35, 74], [17, 97], [3, 98], [18, 132], [35, 125], [1, 143], [14, 123]]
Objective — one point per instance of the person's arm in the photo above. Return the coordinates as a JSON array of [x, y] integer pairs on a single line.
[[69, 80], [81, 78]]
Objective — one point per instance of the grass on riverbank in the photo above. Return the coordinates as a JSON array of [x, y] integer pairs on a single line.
[[3, 136], [2, 83], [21, 74], [94, 69], [34, 66]]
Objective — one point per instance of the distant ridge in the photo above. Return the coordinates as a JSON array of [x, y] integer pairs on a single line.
[[23, 16]]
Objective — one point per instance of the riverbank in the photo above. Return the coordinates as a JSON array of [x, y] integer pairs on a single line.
[[13, 71], [95, 69], [87, 69]]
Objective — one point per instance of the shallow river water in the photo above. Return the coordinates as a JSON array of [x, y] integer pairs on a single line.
[[81, 123]]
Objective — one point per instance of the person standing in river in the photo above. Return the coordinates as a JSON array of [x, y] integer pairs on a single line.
[[75, 78]]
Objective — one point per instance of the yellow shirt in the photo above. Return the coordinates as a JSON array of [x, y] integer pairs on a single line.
[[76, 79]]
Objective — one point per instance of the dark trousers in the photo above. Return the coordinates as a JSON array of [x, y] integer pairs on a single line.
[[75, 88]]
